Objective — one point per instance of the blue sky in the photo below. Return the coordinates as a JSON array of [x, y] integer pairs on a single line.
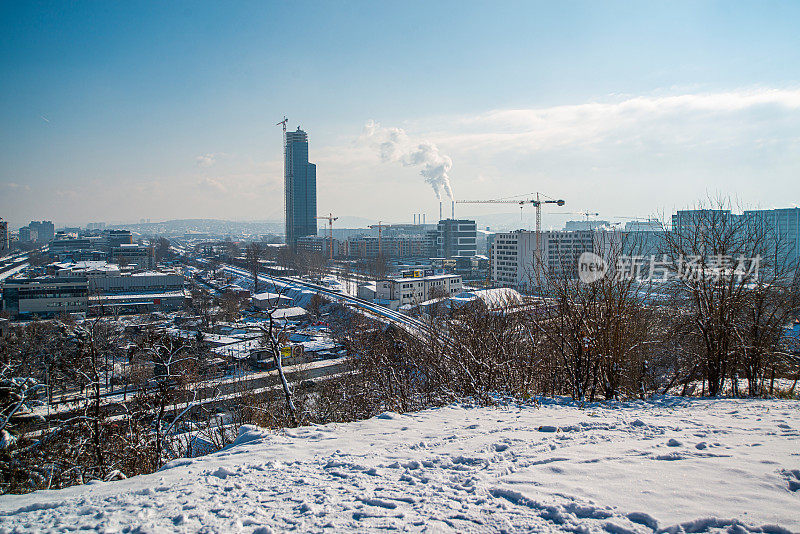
[[116, 111]]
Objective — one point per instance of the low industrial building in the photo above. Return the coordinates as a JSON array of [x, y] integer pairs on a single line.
[[94, 287], [267, 301], [45, 296], [411, 290]]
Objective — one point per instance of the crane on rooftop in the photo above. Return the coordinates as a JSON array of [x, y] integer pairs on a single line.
[[283, 123]]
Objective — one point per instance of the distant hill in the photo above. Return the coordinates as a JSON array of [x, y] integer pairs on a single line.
[[213, 227]]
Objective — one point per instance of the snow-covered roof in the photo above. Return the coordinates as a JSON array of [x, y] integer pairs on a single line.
[[434, 301], [288, 313], [269, 296], [141, 296], [491, 297], [88, 265]]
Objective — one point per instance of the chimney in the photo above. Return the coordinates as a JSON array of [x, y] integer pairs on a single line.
[[454, 209], [423, 218], [415, 218], [440, 211]]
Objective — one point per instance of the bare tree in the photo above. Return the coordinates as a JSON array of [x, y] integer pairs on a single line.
[[736, 290], [201, 303], [312, 264], [253, 254], [174, 369], [593, 335], [273, 336], [162, 249], [230, 248], [231, 303]]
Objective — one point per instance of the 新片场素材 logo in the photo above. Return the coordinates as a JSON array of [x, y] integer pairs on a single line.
[[591, 267]]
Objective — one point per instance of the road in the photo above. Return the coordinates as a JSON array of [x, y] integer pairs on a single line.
[[211, 394]]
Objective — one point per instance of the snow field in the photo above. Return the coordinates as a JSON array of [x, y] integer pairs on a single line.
[[671, 465]]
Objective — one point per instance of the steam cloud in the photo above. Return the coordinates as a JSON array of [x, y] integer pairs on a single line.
[[395, 145]]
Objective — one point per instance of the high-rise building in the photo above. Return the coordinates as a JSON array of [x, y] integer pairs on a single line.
[[45, 230], [457, 237], [783, 234], [300, 188], [27, 235], [781, 227], [3, 236]]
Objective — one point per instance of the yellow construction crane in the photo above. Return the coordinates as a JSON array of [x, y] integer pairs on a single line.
[[537, 203], [380, 228], [330, 218]]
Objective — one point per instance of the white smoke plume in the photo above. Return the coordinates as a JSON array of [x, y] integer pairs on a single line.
[[395, 145]]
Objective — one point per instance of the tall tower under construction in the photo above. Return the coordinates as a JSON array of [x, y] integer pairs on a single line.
[[300, 188]]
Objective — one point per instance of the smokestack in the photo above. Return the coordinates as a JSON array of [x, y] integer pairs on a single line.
[[454, 209], [415, 218], [423, 218], [440, 211]]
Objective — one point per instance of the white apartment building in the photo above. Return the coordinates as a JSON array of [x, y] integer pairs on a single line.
[[513, 254], [411, 290]]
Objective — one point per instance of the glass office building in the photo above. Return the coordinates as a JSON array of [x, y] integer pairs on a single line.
[[300, 187]]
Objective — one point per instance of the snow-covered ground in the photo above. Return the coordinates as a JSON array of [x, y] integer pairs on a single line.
[[671, 464]]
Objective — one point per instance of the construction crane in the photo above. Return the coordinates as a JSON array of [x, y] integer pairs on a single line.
[[285, 214], [537, 203], [651, 220], [330, 218], [380, 228], [586, 214], [283, 123]]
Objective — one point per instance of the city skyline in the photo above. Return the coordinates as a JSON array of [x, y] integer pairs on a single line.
[[117, 111]]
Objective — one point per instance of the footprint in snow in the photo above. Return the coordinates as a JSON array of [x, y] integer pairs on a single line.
[[793, 478]]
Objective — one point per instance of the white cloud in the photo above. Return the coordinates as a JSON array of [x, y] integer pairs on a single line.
[[206, 160], [16, 186], [622, 155], [680, 119], [213, 183]]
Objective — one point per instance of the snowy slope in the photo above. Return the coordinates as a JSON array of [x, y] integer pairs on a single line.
[[670, 464]]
